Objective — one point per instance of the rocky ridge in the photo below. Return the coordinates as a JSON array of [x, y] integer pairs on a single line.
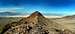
[[36, 23]]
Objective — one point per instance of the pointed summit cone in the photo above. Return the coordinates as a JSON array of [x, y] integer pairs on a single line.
[[36, 14]]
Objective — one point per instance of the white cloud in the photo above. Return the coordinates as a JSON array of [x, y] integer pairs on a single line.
[[9, 9]]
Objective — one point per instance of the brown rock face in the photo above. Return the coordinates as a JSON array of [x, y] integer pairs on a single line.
[[36, 23]]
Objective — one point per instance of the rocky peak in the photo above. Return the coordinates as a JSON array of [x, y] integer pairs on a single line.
[[36, 13], [34, 24]]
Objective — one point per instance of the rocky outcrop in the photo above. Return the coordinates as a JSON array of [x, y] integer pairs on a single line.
[[36, 23]]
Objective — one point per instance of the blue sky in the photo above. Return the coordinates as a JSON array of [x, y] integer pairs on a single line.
[[62, 7]]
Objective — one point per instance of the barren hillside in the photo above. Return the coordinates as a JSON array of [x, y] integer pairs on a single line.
[[36, 23]]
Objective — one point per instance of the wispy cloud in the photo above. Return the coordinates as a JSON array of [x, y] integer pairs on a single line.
[[9, 9]]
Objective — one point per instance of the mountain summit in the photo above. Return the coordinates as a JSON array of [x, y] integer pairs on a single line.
[[36, 23], [36, 14]]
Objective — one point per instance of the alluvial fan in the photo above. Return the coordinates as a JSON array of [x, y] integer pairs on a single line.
[[36, 23]]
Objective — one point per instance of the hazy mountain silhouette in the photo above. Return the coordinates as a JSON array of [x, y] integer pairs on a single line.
[[9, 13]]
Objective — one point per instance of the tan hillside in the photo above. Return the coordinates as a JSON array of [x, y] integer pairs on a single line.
[[36, 23]]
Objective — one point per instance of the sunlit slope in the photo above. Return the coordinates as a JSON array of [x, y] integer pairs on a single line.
[[67, 21]]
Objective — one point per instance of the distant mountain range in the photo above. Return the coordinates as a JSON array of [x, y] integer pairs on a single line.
[[15, 13], [53, 14], [9, 13]]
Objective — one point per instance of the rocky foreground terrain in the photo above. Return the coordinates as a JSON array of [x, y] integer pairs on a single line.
[[36, 23]]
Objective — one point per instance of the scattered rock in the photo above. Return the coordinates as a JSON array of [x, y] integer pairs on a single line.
[[36, 23]]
